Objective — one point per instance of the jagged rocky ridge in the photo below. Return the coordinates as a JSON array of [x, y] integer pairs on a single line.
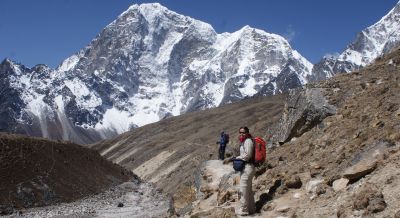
[[149, 64], [37, 102], [372, 42]]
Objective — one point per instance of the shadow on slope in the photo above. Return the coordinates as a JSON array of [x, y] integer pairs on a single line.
[[37, 172]]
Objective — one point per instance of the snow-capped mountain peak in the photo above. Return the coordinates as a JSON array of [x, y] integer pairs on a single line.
[[372, 42], [149, 64]]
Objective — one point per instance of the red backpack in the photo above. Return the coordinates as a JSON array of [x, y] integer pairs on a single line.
[[260, 151]]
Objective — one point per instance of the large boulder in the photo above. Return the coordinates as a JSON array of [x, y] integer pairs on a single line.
[[304, 109]]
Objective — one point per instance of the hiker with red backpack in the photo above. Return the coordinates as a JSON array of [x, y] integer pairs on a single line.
[[252, 153], [246, 174]]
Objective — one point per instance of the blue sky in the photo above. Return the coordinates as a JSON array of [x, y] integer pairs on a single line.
[[48, 31]]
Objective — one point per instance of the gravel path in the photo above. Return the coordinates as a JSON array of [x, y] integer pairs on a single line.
[[130, 199]]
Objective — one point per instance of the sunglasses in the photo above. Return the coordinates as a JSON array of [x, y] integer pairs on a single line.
[[242, 132]]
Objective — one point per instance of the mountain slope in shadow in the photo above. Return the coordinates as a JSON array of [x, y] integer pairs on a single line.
[[37, 172]]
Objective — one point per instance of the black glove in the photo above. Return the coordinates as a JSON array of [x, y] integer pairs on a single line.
[[217, 143]]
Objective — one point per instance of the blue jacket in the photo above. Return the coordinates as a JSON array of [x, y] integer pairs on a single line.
[[222, 140]]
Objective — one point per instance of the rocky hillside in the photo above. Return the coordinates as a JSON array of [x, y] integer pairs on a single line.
[[37, 172], [335, 149], [344, 163]]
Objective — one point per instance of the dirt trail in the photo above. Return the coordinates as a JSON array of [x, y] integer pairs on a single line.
[[130, 199]]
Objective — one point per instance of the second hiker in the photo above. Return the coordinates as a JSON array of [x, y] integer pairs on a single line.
[[223, 141]]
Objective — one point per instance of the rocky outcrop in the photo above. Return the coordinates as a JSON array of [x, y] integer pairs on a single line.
[[11, 103], [304, 109]]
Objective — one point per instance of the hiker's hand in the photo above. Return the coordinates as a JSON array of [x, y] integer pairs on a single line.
[[217, 143], [227, 160]]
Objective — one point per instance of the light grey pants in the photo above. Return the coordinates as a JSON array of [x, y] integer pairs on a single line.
[[246, 192]]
